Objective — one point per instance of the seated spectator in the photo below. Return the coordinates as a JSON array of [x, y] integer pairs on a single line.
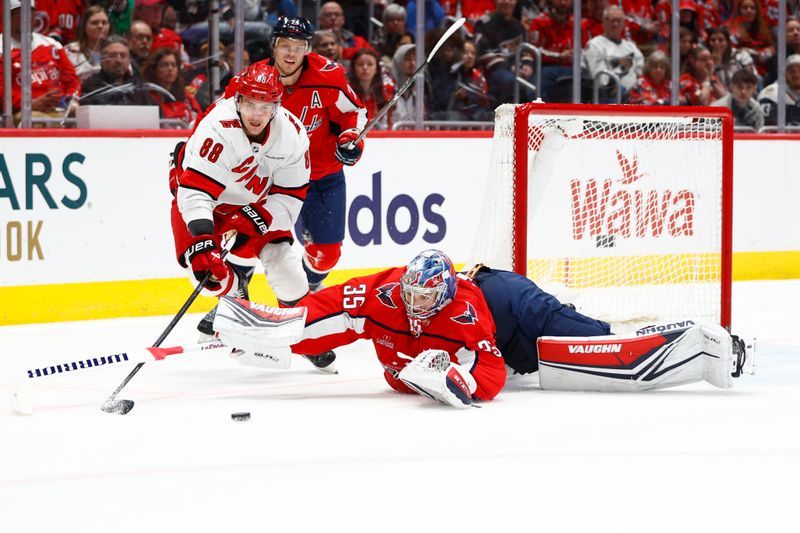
[[768, 98], [497, 36], [749, 33], [331, 17], [113, 84], [687, 39], [727, 60], [326, 44], [698, 83], [373, 86], [434, 14], [654, 86], [691, 16], [54, 85], [746, 111], [140, 41], [441, 74], [166, 88], [85, 52], [611, 52], [551, 32], [394, 28], [641, 23], [471, 99], [792, 47], [274, 9], [404, 63], [152, 12]]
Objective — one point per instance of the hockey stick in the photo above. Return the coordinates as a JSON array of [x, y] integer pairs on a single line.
[[21, 386], [385, 109], [123, 407]]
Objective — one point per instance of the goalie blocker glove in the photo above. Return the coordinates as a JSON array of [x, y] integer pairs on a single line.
[[432, 374], [346, 155]]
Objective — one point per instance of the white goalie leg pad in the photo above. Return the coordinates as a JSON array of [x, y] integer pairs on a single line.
[[284, 271], [258, 328], [636, 363], [275, 358], [432, 374]]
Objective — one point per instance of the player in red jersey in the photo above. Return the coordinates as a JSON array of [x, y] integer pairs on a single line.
[[450, 337]]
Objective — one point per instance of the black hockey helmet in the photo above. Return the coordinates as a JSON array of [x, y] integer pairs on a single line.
[[292, 28]]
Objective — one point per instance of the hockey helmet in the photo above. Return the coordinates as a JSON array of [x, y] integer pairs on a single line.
[[428, 284], [261, 82], [292, 28]]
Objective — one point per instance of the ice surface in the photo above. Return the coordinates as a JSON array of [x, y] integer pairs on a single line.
[[342, 453]]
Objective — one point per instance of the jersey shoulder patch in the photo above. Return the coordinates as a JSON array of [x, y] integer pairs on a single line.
[[467, 317]]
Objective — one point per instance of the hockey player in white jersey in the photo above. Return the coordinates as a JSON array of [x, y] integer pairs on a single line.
[[244, 171]]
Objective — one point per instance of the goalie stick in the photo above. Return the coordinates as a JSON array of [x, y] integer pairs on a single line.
[[21, 386], [385, 109]]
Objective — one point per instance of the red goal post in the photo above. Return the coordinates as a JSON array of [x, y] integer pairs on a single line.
[[627, 210]]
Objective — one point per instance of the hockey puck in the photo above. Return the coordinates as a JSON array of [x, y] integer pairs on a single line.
[[240, 417]]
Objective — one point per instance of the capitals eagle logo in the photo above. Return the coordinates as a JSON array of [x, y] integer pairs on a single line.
[[467, 317], [385, 294]]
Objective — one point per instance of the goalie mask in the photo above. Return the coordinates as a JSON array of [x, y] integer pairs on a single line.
[[428, 284]]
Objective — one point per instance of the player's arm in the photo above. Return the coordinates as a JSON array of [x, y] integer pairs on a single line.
[[334, 318], [351, 116]]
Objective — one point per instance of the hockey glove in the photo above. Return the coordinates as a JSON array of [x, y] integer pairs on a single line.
[[203, 256], [251, 219], [344, 153], [432, 374]]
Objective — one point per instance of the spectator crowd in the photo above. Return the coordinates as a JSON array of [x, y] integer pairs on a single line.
[[156, 52]]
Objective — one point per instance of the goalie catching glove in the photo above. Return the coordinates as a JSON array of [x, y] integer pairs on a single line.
[[432, 374], [344, 152]]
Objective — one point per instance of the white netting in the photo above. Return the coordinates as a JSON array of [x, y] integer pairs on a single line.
[[624, 212]]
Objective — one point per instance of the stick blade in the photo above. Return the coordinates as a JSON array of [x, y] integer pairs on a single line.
[[118, 407]]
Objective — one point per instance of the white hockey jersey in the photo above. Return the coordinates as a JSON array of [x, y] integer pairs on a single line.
[[623, 59], [222, 166]]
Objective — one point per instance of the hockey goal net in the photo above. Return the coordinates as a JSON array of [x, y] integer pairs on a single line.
[[623, 210]]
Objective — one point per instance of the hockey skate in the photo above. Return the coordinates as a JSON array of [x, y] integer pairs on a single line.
[[206, 324], [744, 356], [326, 361]]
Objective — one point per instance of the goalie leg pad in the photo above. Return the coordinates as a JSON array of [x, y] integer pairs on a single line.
[[258, 328], [635, 363], [432, 374]]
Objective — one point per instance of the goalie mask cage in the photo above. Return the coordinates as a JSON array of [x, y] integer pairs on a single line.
[[624, 211]]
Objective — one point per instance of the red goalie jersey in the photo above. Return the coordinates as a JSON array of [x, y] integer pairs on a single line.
[[325, 104], [371, 307]]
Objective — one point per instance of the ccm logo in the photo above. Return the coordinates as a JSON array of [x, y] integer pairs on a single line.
[[595, 348]]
